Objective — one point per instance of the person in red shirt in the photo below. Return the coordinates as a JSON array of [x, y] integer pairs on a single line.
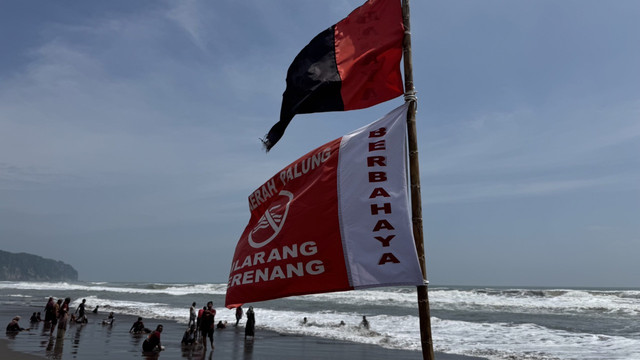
[[198, 320], [207, 324], [152, 342]]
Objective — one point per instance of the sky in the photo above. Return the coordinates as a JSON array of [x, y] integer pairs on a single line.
[[129, 134]]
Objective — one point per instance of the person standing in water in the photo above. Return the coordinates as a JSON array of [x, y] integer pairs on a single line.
[[250, 326], [198, 320], [207, 324], [63, 317], [192, 315], [56, 314], [80, 311], [239, 313], [49, 312]]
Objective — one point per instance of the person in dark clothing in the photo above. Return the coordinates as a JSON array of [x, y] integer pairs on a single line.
[[239, 313], [189, 337], [13, 326], [152, 342], [138, 327], [207, 324], [109, 320], [250, 326], [56, 312], [80, 311], [34, 318], [49, 311], [365, 322]]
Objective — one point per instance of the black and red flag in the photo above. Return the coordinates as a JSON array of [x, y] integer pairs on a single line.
[[352, 65]]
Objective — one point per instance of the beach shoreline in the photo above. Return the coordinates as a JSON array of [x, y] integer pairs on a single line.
[[94, 341]]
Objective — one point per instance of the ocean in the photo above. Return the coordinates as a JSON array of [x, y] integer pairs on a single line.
[[494, 323]]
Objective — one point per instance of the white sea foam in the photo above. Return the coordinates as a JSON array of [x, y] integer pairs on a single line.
[[501, 300], [528, 341], [19, 296], [494, 341], [542, 301], [393, 297], [170, 289], [148, 310], [511, 300]]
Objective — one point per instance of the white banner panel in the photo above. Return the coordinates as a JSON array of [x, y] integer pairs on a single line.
[[373, 197]]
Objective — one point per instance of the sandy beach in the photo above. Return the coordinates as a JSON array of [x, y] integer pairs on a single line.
[[96, 341]]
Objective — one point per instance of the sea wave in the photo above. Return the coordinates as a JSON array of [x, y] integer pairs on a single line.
[[528, 341], [538, 301], [514, 300], [152, 288], [499, 300]]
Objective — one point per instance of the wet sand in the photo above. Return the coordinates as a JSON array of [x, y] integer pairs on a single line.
[[93, 341], [7, 353]]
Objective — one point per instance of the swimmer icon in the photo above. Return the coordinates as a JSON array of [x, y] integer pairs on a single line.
[[271, 222]]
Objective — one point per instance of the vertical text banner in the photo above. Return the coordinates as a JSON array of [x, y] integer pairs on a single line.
[[336, 219]]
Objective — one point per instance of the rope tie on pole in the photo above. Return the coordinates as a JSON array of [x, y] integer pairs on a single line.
[[411, 96]]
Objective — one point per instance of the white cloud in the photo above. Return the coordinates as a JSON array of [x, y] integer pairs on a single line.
[[186, 14]]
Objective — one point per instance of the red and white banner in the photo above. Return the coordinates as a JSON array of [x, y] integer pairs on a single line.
[[336, 219]]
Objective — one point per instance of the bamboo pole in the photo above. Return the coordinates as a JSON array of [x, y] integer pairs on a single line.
[[416, 198]]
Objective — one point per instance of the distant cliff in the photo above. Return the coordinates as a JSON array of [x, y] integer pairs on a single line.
[[28, 267]]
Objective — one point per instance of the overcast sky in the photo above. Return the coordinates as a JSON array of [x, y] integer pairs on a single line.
[[129, 133]]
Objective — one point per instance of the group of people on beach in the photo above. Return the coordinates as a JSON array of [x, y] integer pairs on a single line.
[[57, 315], [202, 324], [200, 327]]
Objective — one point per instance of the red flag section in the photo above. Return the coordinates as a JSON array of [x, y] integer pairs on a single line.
[[336, 219], [368, 46], [352, 65]]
